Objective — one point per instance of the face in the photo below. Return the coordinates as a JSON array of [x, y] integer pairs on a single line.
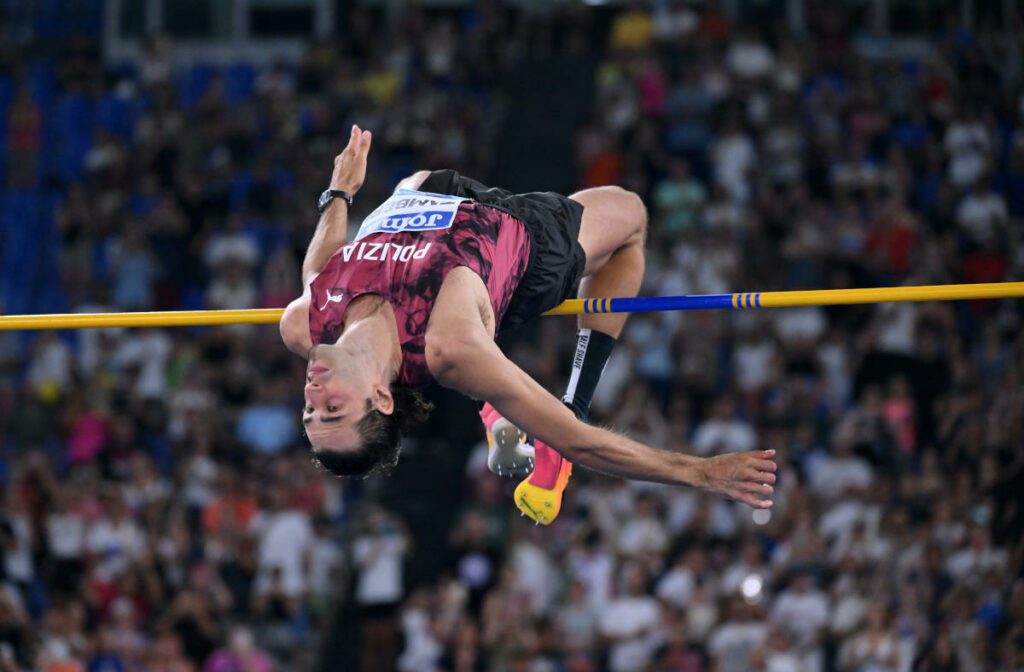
[[335, 402]]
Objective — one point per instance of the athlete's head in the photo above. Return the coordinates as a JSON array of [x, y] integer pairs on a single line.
[[354, 419]]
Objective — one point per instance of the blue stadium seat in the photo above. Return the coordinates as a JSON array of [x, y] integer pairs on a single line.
[[285, 179], [260, 230], [194, 82], [192, 299], [7, 89], [71, 136], [6, 96], [240, 186], [30, 250], [240, 82], [41, 82], [20, 234], [117, 115]]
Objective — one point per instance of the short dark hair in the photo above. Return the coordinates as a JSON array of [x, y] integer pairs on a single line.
[[381, 436]]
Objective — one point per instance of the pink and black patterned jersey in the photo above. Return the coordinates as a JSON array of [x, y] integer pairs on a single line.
[[407, 269]]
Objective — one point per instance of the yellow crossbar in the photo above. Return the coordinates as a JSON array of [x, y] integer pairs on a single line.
[[821, 297]]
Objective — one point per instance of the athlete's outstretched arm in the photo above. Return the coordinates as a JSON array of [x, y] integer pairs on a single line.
[[332, 229], [331, 233], [464, 357]]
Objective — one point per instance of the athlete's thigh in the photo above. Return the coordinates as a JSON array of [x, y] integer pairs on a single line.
[[612, 218]]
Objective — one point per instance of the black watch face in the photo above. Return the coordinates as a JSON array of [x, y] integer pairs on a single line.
[[325, 198]]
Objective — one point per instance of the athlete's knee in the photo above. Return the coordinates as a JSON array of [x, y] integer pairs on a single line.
[[635, 211], [618, 203], [413, 181]]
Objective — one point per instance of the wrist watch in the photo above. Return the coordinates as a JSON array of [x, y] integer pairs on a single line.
[[329, 195]]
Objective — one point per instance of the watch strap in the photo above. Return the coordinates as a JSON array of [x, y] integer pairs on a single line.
[[329, 195], [344, 195]]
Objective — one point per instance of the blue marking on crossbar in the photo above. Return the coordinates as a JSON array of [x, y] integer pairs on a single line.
[[640, 304]]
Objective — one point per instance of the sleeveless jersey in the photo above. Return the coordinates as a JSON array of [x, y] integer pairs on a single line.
[[407, 268]]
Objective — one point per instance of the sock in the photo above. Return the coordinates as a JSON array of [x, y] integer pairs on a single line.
[[540, 495], [593, 349]]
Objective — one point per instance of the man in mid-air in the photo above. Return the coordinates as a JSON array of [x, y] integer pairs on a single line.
[[418, 296]]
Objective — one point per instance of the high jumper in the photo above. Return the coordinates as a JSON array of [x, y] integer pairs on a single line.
[[418, 296]]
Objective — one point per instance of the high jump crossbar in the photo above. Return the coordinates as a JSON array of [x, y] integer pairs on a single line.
[[743, 300]]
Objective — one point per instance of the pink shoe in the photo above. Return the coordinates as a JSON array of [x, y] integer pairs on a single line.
[[508, 454], [539, 497]]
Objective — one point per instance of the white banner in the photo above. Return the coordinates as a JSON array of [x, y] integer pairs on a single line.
[[408, 210]]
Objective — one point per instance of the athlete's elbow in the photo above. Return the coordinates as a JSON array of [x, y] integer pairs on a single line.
[[448, 354], [294, 328]]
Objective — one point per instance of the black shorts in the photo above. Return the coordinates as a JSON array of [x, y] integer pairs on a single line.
[[553, 223]]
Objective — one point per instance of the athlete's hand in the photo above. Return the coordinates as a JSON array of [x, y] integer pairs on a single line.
[[350, 165], [748, 477]]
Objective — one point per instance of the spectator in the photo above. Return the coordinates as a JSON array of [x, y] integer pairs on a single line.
[[267, 426], [378, 555], [232, 289], [968, 143], [732, 644], [134, 270], [577, 621], [749, 566], [14, 633], [982, 215], [644, 533], [285, 535], [749, 57], [241, 654], [873, 648], [724, 431], [802, 611], [194, 624], [678, 199], [842, 471], [733, 156], [231, 246], [65, 542], [49, 371], [630, 622], [167, 655], [114, 540]]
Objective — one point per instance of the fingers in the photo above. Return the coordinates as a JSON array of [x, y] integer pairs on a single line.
[[762, 489], [758, 479], [752, 500], [353, 140], [358, 142], [350, 164], [759, 476], [760, 466]]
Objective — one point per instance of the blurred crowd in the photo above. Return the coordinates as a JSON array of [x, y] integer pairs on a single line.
[[160, 512]]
